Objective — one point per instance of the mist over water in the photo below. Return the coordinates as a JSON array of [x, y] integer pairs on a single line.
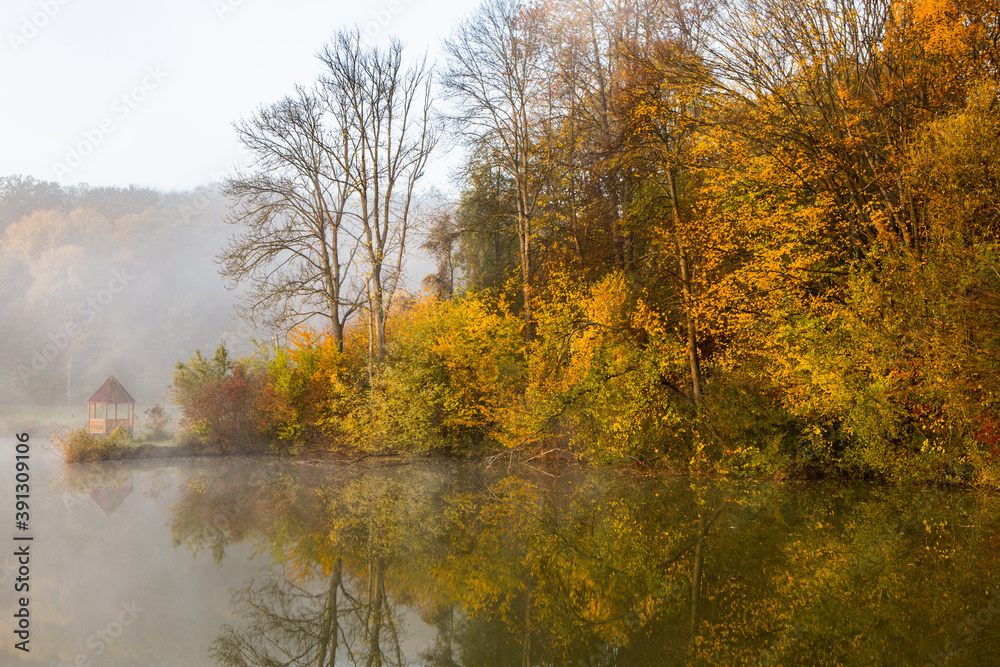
[[102, 561], [220, 561]]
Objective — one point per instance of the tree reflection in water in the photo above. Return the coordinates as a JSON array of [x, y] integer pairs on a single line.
[[445, 566], [288, 624], [501, 570]]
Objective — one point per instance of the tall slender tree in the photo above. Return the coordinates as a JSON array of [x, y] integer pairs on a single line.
[[494, 77], [331, 189], [386, 136]]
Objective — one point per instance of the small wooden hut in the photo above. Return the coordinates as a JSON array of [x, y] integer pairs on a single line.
[[103, 412]]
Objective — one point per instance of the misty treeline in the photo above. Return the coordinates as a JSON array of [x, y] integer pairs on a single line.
[[97, 281], [755, 236]]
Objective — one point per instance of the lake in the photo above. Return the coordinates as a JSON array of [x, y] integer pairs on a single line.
[[230, 561]]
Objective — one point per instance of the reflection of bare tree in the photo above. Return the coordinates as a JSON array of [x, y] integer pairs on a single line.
[[442, 652], [292, 624]]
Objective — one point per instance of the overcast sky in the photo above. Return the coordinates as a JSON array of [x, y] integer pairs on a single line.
[[119, 92]]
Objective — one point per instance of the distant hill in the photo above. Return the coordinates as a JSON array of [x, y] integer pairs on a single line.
[[99, 281]]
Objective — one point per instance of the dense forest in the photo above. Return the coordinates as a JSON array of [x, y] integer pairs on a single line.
[[749, 236], [755, 237], [97, 281]]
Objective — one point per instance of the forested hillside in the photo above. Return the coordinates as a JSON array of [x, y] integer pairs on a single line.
[[99, 281]]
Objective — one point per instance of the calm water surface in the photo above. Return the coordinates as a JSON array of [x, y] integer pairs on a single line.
[[265, 562]]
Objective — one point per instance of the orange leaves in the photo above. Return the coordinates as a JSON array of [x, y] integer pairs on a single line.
[[955, 29], [479, 347], [308, 389]]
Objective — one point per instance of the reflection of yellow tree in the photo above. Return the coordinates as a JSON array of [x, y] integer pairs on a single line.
[[852, 577], [228, 507], [578, 576], [515, 571], [531, 572], [336, 541]]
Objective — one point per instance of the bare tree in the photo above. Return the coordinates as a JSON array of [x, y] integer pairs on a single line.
[[293, 250], [384, 108], [493, 75]]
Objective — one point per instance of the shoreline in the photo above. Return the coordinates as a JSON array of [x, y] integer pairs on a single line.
[[318, 455]]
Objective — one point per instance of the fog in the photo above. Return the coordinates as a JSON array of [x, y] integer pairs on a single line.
[[108, 281], [82, 552], [99, 281]]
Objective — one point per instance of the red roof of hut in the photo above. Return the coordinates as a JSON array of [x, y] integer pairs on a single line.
[[111, 391]]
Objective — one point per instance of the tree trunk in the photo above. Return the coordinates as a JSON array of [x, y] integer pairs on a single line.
[[376, 587], [699, 558], [524, 239], [526, 646], [682, 260], [331, 628]]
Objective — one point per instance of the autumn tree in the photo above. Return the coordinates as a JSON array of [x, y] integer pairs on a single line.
[[663, 121], [833, 91], [493, 77], [588, 45], [218, 398], [839, 263], [621, 121], [485, 221]]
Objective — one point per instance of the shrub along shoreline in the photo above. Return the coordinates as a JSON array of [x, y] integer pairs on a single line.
[[78, 445], [601, 381]]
